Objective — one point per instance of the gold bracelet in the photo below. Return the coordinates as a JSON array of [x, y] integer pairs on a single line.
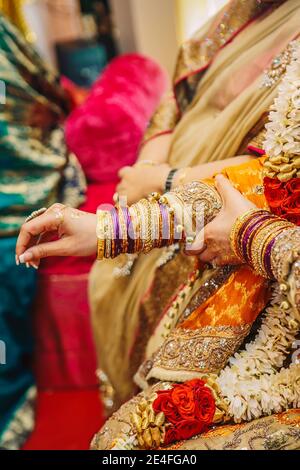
[[235, 231], [100, 235], [143, 224], [259, 241], [156, 223], [262, 225], [123, 229], [160, 227], [108, 237], [256, 247], [148, 211], [135, 227], [277, 229]]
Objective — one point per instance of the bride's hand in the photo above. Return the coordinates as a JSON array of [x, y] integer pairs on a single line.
[[140, 180], [213, 243], [60, 231]]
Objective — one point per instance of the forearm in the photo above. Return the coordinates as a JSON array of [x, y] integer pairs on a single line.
[[156, 150], [207, 170]]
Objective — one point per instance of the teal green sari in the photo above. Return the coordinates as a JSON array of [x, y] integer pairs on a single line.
[[36, 170]]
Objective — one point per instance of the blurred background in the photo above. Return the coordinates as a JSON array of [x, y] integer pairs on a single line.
[[81, 36]]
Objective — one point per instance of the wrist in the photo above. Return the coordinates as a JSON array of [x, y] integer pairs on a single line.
[[181, 177], [163, 176]]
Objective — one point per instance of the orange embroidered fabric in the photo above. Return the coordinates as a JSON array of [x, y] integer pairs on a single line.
[[244, 295], [239, 301]]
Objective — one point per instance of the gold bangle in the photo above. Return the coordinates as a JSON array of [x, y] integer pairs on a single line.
[[109, 236], [100, 235], [263, 224], [160, 222], [136, 227], [148, 227], [123, 229], [236, 228], [259, 243], [156, 224], [277, 228], [143, 225]]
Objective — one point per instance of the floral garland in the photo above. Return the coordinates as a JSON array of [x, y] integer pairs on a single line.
[[250, 384], [248, 388], [282, 145]]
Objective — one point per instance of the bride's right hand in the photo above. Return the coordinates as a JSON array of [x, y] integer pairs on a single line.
[[60, 231]]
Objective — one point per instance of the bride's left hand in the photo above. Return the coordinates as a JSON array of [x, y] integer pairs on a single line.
[[213, 243]]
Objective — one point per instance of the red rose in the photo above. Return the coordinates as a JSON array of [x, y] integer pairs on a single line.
[[171, 436], [272, 183], [196, 384], [164, 403], [291, 204], [189, 428], [205, 406], [293, 186], [183, 398], [276, 196]]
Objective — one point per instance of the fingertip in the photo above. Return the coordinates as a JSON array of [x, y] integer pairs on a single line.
[[25, 257]]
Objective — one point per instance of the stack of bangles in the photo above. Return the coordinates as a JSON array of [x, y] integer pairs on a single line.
[[254, 236], [156, 222], [151, 223]]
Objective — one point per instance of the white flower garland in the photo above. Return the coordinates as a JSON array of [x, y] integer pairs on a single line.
[[251, 383], [283, 130]]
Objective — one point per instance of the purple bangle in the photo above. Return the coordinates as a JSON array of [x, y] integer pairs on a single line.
[[245, 227], [250, 231], [267, 257]]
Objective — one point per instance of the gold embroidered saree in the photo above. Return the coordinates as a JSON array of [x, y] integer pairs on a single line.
[[221, 110]]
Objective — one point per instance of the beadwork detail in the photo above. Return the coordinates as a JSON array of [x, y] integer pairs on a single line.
[[205, 351], [278, 67]]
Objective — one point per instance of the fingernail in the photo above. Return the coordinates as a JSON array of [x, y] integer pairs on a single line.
[[17, 260], [34, 266], [25, 258], [22, 259], [27, 265]]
